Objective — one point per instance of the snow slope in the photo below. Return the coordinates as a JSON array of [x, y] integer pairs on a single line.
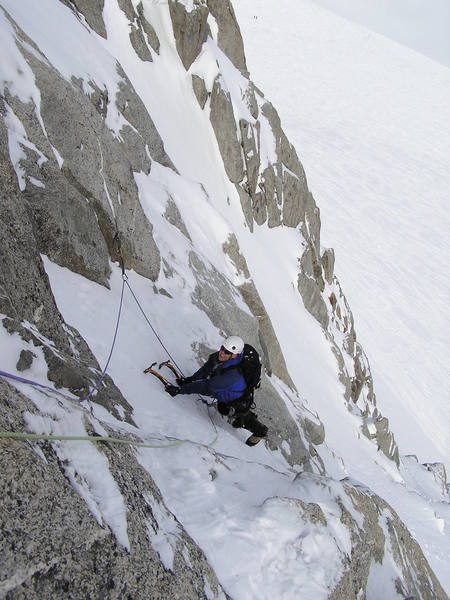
[[370, 121], [237, 503], [418, 24]]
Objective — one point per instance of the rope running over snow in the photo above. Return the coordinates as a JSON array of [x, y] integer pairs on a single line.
[[34, 437]]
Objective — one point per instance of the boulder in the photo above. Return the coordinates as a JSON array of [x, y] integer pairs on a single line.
[[200, 91]]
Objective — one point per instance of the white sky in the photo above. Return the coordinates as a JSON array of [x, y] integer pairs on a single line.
[[420, 24]]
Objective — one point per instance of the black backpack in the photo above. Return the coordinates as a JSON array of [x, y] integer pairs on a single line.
[[250, 367]]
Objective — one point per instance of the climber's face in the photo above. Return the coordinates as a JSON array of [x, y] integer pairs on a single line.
[[225, 355]]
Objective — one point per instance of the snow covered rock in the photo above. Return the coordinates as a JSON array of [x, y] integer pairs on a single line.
[[190, 28], [139, 119], [229, 37], [385, 558], [224, 124], [57, 543]]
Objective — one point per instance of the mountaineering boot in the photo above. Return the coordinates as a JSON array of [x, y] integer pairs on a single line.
[[253, 440]]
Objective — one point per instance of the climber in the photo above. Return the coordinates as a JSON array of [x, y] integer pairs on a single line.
[[230, 376]]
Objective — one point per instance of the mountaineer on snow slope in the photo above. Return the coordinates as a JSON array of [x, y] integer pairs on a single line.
[[230, 376]]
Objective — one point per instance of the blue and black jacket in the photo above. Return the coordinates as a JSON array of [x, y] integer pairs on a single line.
[[221, 380]]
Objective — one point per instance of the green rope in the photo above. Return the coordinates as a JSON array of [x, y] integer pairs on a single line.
[[80, 438]]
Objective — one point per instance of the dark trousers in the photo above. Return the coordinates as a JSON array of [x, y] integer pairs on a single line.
[[247, 420]]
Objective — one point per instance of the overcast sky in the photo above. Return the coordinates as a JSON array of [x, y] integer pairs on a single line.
[[420, 24]]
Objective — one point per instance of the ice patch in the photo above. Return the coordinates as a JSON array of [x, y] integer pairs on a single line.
[[35, 182], [17, 140], [164, 534]]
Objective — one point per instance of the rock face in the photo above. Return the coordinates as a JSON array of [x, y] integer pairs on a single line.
[[92, 11], [229, 37], [224, 124], [66, 192], [383, 539], [73, 554], [275, 192], [190, 28], [93, 194]]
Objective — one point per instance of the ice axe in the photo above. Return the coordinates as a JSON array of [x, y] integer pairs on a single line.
[[158, 375], [170, 366]]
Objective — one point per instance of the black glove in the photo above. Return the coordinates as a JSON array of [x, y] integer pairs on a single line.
[[181, 380], [173, 390]]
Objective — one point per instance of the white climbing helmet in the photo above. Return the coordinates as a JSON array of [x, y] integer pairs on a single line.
[[234, 344]]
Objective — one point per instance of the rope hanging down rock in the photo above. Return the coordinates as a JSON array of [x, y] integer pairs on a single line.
[[13, 377], [37, 437], [125, 278]]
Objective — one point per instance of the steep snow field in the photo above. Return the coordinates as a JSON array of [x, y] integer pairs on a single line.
[[370, 120], [239, 503]]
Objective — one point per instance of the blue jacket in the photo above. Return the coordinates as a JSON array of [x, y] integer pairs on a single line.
[[222, 381]]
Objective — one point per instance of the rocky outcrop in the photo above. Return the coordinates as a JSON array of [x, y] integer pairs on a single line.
[[277, 194], [200, 91], [355, 374], [142, 34], [380, 553], [27, 299], [92, 11], [190, 28], [384, 543], [147, 27], [224, 125], [138, 42], [229, 37], [80, 204]]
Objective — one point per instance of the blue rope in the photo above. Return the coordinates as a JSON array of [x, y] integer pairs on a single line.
[[154, 330], [7, 375], [95, 388]]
